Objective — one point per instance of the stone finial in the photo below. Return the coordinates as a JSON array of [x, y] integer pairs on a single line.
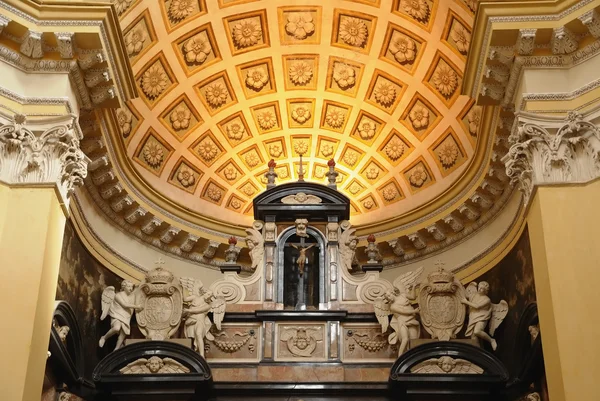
[[233, 252], [332, 174], [372, 250], [271, 175]]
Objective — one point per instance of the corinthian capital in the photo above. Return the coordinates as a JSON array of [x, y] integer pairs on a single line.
[[546, 152], [44, 155]]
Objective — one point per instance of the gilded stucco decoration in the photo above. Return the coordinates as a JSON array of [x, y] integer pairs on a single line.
[[226, 86]]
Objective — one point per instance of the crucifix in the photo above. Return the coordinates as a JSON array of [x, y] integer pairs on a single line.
[[303, 279]]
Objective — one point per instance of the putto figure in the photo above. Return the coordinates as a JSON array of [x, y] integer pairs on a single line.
[[482, 311], [396, 302], [120, 306], [154, 365], [347, 245], [199, 303]]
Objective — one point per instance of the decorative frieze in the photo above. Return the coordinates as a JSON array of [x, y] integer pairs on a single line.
[[543, 153]]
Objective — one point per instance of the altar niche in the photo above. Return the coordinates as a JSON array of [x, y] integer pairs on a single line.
[[301, 270]]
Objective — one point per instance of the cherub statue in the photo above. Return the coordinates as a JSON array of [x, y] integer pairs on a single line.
[[62, 331], [255, 243], [396, 302], [199, 303], [154, 365], [445, 365], [347, 245], [482, 310], [301, 260], [120, 306]]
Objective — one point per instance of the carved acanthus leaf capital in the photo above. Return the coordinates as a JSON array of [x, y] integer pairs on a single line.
[[52, 156], [544, 153]]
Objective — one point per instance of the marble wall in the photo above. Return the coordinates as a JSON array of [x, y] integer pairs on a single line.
[[81, 282]]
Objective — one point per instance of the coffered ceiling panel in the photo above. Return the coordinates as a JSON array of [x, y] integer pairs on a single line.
[[227, 85]]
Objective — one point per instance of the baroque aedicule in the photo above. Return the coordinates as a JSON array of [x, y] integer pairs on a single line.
[[302, 248]]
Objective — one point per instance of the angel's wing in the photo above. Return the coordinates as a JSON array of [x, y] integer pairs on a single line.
[[136, 368], [255, 235], [172, 366], [406, 280], [108, 296], [191, 284], [346, 237], [316, 334], [465, 367], [382, 311], [471, 290], [218, 306], [499, 312], [427, 367]]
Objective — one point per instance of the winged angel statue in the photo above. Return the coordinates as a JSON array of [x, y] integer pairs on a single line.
[[347, 245], [446, 364], [396, 302], [195, 312], [482, 310], [120, 306], [154, 365], [255, 243]]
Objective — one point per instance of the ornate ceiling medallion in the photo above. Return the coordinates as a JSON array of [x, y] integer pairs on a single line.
[[353, 30], [128, 120], [367, 127], [235, 203], [448, 152], [216, 93], [456, 35], [300, 71], [443, 79], [402, 48], [178, 12], [334, 116], [235, 129], [418, 175], [395, 148], [301, 145], [207, 149], [257, 77], [390, 192], [470, 119], [344, 76], [351, 156], [384, 91], [153, 152], [421, 12], [185, 176], [373, 171], [267, 117], [420, 117], [155, 80], [327, 147], [213, 192], [301, 113], [139, 36], [181, 118], [368, 204], [247, 31], [276, 148], [197, 49], [300, 25], [251, 157]]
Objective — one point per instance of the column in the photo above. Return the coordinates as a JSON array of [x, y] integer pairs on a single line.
[[40, 165], [555, 164]]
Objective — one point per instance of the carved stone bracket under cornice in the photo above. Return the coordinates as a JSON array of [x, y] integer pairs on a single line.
[[546, 152], [42, 155]]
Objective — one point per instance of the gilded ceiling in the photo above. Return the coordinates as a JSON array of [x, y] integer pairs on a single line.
[[226, 85]]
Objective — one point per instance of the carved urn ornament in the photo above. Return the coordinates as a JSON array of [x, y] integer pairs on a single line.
[[442, 312], [161, 297]]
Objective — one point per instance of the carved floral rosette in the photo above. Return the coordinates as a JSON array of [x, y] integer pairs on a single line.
[[162, 302], [442, 313]]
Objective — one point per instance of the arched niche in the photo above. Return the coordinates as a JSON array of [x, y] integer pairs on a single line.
[[312, 294]]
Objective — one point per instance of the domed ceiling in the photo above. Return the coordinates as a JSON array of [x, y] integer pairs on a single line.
[[227, 85]]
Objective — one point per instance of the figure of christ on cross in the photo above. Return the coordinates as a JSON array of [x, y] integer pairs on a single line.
[[305, 279]]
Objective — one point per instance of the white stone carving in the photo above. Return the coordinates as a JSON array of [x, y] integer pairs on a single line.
[[436, 232], [442, 313], [454, 222], [534, 332], [256, 245], [301, 199], [563, 41], [91, 60], [154, 365], [53, 156], [481, 200], [32, 44], [526, 41], [347, 245], [446, 365], [404, 323], [161, 298], [169, 234], [539, 157], [301, 225], [151, 225], [4, 20], [498, 72], [96, 78], [300, 341], [469, 211], [211, 249], [120, 306], [397, 247], [482, 311], [417, 240], [65, 44], [591, 20], [189, 243], [200, 302]]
